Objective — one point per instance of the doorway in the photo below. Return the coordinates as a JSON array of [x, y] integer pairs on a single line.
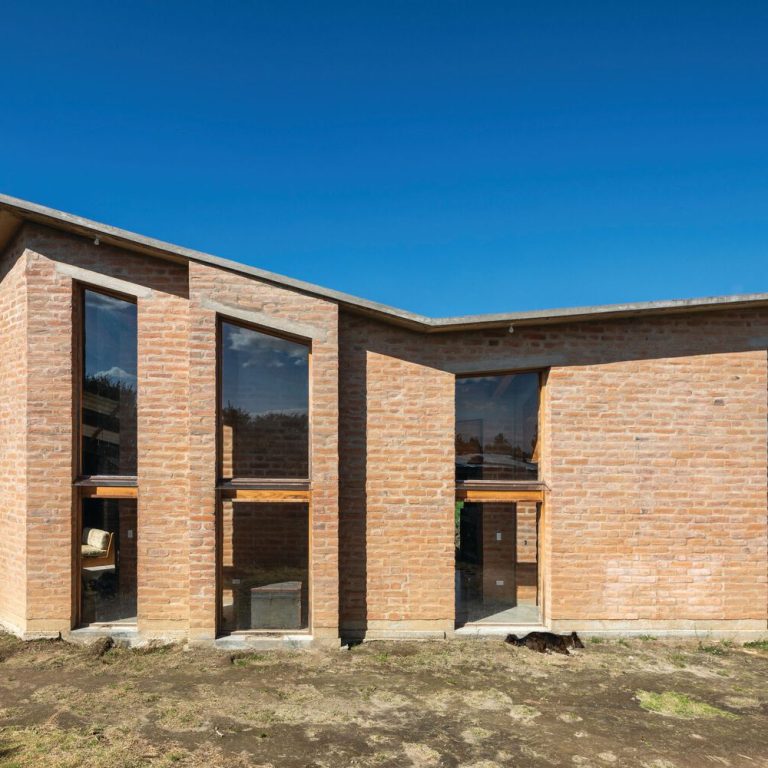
[[496, 570]]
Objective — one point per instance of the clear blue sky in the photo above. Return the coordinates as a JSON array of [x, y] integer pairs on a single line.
[[445, 157]]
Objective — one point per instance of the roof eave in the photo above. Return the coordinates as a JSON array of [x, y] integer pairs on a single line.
[[13, 212]]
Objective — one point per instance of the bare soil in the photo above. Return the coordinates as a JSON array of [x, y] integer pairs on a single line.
[[475, 704]]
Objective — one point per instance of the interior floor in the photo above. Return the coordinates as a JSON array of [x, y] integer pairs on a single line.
[[520, 614]]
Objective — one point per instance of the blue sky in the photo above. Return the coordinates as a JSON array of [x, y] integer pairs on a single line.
[[448, 158]]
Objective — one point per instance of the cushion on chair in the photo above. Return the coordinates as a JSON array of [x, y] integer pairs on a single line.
[[88, 551], [96, 538]]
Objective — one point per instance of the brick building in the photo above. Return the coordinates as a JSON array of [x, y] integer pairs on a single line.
[[193, 448]]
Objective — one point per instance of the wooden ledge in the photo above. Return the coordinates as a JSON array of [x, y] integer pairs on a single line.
[[498, 495], [268, 495], [109, 492]]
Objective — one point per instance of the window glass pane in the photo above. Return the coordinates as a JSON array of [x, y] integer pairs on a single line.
[[264, 405], [109, 386], [108, 561], [497, 427], [265, 566], [497, 563]]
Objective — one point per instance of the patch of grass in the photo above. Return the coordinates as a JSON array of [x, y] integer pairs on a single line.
[[596, 640], [622, 641], [717, 649], [381, 656], [674, 704], [760, 645], [678, 660], [646, 638]]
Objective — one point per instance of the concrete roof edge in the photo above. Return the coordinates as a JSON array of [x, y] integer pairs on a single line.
[[415, 321], [80, 225], [574, 314]]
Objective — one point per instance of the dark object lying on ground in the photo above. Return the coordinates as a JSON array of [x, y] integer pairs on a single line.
[[547, 641]]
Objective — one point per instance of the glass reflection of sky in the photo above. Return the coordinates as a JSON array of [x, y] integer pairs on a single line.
[[110, 332], [263, 374]]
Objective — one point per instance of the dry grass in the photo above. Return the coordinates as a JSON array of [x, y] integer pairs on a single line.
[[439, 705]]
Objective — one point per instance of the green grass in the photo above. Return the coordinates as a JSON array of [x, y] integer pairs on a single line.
[[646, 637], [675, 704], [760, 645], [718, 649]]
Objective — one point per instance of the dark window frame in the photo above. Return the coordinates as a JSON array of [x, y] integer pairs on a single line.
[[82, 479], [483, 486], [228, 486]]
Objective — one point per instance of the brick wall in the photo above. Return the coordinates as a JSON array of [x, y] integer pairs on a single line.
[[162, 414], [13, 358], [658, 489], [176, 425], [396, 460], [654, 447], [210, 287]]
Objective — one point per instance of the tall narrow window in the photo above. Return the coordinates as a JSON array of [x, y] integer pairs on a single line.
[[264, 407], [109, 386], [497, 427]]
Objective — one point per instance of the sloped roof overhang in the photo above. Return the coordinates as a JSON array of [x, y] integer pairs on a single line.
[[14, 212]]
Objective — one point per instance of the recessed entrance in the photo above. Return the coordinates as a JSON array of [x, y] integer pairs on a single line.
[[497, 563]]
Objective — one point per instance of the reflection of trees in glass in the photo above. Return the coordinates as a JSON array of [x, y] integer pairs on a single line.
[[105, 386], [499, 445], [497, 427], [109, 426], [466, 445], [272, 444]]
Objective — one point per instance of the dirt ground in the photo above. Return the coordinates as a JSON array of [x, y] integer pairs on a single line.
[[476, 704]]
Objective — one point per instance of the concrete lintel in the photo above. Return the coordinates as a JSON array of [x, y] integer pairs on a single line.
[[507, 363], [97, 280], [269, 322]]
